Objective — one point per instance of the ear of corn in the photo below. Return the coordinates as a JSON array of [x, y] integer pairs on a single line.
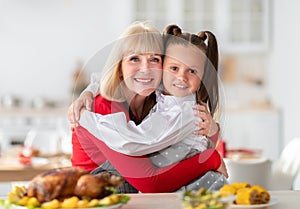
[[247, 194]]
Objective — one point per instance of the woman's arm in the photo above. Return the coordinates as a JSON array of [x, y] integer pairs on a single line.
[[83, 156], [84, 101], [140, 172]]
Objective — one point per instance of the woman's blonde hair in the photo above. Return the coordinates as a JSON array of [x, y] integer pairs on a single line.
[[139, 37]]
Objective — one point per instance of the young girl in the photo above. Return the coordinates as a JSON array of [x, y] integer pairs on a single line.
[[139, 171], [171, 121]]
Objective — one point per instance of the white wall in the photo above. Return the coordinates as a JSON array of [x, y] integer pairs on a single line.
[[41, 41], [283, 69]]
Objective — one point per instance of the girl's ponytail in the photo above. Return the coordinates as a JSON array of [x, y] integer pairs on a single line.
[[212, 52], [209, 91]]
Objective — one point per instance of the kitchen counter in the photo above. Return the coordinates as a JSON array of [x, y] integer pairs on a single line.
[[12, 170]]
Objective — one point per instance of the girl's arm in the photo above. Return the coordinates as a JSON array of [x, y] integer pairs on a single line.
[[93, 86], [140, 172], [157, 131]]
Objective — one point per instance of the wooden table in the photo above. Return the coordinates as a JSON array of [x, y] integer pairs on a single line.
[[286, 199], [154, 201]]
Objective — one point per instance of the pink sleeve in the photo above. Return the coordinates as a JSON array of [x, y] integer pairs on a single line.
[[144, 176]]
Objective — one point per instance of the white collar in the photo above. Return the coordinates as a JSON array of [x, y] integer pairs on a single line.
[[169, 99]]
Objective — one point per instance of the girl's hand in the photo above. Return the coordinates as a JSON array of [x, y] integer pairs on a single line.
[[207, 127], [84, 101]]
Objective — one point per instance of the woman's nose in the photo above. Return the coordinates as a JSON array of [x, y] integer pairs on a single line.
[[145, 65]]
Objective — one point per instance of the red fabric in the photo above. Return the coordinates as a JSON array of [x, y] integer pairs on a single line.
[[138, 171], [222, 148], [84, 152], [80, 158], [144, 176]]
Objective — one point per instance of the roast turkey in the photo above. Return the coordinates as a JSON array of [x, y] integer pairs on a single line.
[[66, 182]]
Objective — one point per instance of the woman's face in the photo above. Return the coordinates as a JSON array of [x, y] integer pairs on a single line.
[[183, 70], [142, 72]]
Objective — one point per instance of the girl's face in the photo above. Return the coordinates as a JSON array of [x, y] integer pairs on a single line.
[[142, 72], [183, 69]]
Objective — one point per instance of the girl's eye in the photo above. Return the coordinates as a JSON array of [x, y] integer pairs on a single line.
[[193, 71], [173, 68]]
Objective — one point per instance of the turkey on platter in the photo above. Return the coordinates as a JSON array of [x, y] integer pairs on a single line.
[[66, 182]]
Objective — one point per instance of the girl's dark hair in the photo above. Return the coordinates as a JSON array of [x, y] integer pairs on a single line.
[[208, 90]]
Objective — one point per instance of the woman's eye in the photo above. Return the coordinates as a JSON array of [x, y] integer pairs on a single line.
[[155, 59], [134, 59]]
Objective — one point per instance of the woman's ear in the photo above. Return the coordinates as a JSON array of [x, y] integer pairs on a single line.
[[121, 76]]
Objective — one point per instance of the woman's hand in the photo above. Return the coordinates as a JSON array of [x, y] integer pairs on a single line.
[[207, 127], [84, 101], [222, 169]]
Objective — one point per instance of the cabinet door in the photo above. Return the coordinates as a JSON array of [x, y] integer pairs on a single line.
[[240, 25], [248, 23]]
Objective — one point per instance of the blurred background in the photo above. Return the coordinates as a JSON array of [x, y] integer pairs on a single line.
[[44, 45]]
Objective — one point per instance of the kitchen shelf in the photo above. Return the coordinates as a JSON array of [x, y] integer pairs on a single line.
[[32, 112]]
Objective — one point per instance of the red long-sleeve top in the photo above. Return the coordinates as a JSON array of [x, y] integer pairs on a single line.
[[89, 152]]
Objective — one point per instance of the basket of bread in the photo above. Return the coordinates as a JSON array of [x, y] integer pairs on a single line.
[[67, 188]]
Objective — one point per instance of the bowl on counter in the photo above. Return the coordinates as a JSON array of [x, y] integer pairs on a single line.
[[206, 199]]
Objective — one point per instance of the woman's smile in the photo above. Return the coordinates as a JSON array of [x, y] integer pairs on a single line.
[[144, 80]]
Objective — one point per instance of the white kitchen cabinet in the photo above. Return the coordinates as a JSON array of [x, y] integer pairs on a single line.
[[240, 26], [254, 128]]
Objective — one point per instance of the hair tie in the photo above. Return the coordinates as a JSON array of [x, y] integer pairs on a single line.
[[172, 30], [202, 35]]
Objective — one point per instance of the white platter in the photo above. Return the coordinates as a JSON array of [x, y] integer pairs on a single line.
[[273, 201], [119, 205]]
